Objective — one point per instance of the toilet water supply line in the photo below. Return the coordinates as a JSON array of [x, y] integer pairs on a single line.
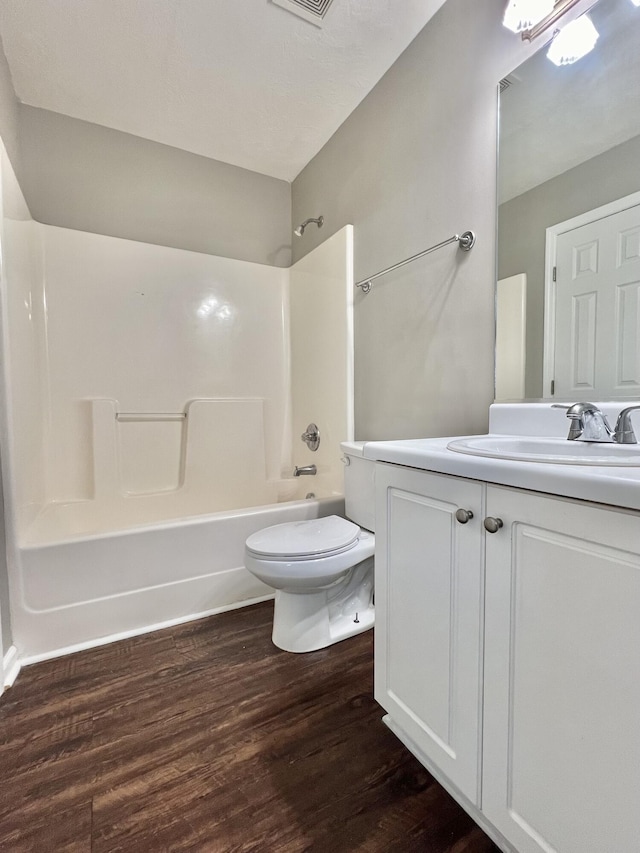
[[466, 242]]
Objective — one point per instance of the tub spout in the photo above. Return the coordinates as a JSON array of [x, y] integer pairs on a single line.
[[304, 469]]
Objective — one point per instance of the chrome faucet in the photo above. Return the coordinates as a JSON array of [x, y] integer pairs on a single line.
[[304, 469], [588, 423], [624, 433]]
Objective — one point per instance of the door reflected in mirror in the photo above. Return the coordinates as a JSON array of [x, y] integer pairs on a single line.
[[569, 219]]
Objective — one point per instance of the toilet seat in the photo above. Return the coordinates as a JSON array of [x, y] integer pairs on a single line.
[[312, 539], [310, 573]]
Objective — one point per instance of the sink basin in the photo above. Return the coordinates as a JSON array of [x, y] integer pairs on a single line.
[[558, 451]]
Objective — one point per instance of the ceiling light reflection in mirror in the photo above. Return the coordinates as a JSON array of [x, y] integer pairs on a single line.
[[569, 143], [569, 43], [521, 15], [573, 42]]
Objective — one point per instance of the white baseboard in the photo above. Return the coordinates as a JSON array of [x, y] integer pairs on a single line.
[[136, 632], [10, 666]]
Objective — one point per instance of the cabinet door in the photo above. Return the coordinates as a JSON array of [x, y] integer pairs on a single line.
[[428, 647], [561, 769]]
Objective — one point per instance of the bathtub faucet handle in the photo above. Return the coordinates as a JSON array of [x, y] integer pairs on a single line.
[[311, 437]]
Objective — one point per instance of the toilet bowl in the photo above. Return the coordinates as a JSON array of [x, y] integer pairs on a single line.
[[321, 568]]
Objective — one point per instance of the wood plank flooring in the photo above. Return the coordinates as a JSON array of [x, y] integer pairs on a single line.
[[205, 737]]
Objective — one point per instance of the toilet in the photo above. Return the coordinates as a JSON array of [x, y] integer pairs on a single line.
[[321, 568]]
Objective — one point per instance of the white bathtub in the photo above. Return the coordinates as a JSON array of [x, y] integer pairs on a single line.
[[78, 589]]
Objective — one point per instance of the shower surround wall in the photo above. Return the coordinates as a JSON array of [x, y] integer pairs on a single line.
[[321, 319], [166, 371], [149, 396]]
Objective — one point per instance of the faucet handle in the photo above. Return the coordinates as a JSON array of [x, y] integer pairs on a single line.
[[311, 437], [575, 412], [624, 433]]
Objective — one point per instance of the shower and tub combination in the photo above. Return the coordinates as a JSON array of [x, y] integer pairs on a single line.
[[155, 402]]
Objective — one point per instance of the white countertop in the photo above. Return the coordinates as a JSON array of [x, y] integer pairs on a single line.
[[616, 486]]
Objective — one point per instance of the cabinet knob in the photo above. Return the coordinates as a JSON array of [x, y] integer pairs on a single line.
[[492, 525], [463, 515]]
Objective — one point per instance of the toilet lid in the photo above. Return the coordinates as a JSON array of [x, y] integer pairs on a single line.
[[313, 538]]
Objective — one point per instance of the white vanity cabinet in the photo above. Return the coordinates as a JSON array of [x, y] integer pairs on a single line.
[[510, 661], [561, 758], [428, 637]]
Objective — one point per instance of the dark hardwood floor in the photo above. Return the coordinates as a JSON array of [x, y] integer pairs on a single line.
[[205, 737]]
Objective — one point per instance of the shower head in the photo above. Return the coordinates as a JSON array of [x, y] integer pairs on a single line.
[[299, 231]]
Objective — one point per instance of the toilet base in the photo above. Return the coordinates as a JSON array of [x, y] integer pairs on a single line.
[[306, 622]]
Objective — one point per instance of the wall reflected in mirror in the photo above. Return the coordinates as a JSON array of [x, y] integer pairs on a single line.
[[569, 199]]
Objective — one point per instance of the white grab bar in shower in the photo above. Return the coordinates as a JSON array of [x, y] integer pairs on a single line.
[[150, 416]]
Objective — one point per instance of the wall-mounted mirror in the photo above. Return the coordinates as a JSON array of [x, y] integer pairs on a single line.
[[569, 220]]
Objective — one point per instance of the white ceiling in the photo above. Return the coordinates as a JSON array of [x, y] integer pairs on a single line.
[[242, 81]]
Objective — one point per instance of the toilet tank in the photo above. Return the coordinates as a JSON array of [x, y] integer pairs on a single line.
[[359, 485]]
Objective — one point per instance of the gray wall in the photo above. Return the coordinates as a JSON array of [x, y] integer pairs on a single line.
[[8, 112], [80, 175], [413, 164], [524, 219]]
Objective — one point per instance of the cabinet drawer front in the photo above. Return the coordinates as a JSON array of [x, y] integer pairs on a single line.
[[428, 615], [562, 675]]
